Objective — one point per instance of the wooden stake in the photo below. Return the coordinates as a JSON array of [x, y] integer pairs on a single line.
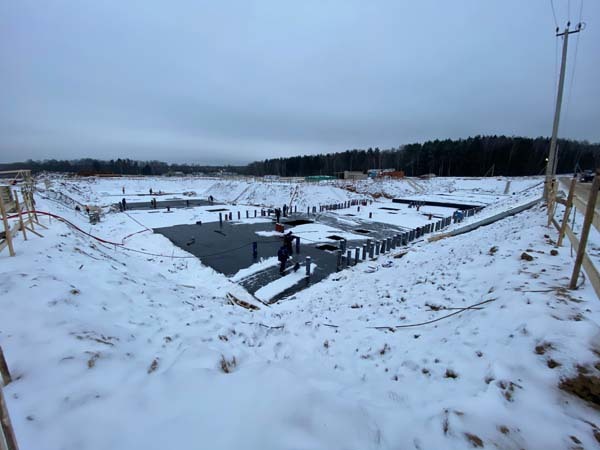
[[2, 442], [6, 425], [32, 205], [568, 206], [21, 225], [8, 236], [27, 208], [4, 373], [551, 201], [585, 230], [32, 230]]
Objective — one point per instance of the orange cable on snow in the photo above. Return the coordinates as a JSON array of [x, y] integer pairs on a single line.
[[129, 249]]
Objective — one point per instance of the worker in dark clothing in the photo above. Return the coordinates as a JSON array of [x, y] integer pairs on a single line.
[[285, 208], [277, 214], [124, 204], [288, 240], [150, 191], [282, 256]]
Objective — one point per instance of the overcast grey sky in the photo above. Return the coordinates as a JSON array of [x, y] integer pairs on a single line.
[[235, 81]]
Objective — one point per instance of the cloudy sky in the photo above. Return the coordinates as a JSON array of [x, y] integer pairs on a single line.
[[235, 81]]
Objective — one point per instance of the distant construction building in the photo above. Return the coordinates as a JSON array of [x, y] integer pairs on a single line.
[[385, 173], [349, 175]]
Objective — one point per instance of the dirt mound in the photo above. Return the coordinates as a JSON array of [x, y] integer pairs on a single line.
[[584, 386]]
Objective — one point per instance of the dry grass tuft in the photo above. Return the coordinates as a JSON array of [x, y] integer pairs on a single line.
[[227, 366]]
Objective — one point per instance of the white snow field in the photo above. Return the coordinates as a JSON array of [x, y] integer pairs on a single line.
[[113, 349]]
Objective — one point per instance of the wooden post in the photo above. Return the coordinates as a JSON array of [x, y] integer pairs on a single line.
[[551, 201], [8, 236], [21, 224], [585, 229], [31, 206], [568, 206], [2, 441], [27, 208], [6, 425], [4, 373]]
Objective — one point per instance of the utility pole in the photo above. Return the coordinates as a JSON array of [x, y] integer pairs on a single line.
[[553, 157]]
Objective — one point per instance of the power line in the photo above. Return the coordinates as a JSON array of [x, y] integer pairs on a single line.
[[461, 310], [554, 13], [572, 78]]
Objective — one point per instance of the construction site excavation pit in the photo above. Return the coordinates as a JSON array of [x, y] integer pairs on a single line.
[[170, 203], [296, 222], [246, 252]]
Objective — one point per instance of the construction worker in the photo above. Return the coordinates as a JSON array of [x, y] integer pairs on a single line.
[[285, 208], [277, 215], [288, 240], [282, 256], [124, 204]]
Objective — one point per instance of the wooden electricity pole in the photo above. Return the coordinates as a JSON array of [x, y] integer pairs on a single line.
[[552, 156]]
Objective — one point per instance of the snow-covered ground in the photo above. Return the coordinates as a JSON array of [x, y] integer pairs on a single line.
[[484, 188], [106, 191], [117, 349]]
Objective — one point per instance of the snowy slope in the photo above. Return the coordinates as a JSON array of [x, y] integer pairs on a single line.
[[107, 191], [481, 188], [120, 350]]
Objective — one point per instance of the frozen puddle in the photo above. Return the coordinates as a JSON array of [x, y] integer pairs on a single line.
[[271, 290]]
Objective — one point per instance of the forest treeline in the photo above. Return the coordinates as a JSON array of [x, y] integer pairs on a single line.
[[474, 156], [87, 166]]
